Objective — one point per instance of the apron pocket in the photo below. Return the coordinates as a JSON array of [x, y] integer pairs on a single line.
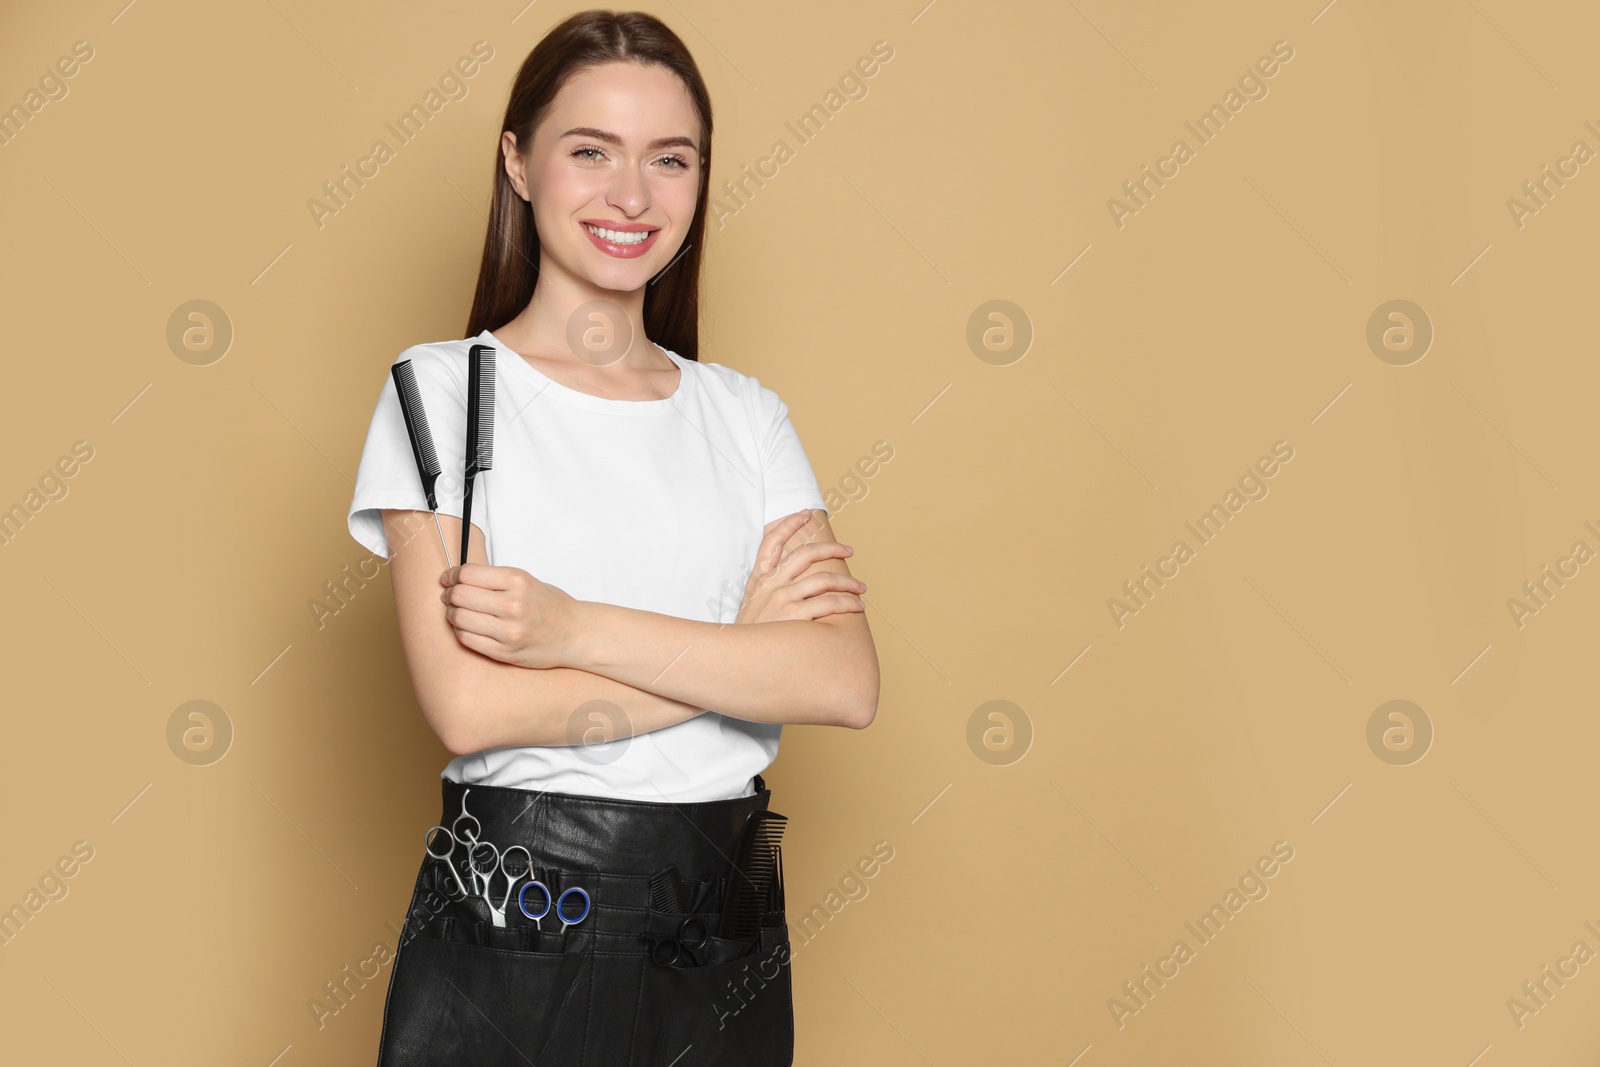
[[737, 1011], [453, 1002]]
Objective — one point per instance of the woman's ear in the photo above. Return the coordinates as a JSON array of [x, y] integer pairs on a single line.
[[514, 163]]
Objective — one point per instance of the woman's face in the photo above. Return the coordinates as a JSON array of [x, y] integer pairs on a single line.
[[618, 151]]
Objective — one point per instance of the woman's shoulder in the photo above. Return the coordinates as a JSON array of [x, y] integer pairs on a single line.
[[451, 353], [730, 384], [438, 365]]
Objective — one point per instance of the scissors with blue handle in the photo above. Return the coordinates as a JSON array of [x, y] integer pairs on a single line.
[[559, 904]]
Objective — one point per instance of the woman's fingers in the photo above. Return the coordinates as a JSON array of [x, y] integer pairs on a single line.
[[492, 646], [774, 543], [796, 562], [487, 634], [829, 604], [802, 534], [466, 596], [476, 643], [481, 575], [823, 593], [829, 582], [509, 603], [475, 622], [776, 589]]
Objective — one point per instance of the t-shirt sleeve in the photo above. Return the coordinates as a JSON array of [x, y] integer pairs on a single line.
[[788, 480], [388, 475]]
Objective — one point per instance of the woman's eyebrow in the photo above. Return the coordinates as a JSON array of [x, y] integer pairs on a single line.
[[611, 138]]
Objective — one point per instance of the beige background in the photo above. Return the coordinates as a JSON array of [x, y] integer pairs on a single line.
[[1230, 713]]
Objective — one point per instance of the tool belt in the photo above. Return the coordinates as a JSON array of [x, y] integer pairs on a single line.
[[644, 974]]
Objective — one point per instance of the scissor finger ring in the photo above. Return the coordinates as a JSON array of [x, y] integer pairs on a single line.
[[522, 901], [561, 906], [427, 843]]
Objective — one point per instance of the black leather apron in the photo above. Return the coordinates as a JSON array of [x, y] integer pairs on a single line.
[[620, 988]]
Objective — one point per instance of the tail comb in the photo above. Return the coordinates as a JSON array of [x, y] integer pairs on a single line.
[[479, 455]]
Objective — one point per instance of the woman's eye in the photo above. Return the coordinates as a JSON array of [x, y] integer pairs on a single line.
[[589, 155]]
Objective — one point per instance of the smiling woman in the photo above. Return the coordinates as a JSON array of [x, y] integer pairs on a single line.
[[633, 486]]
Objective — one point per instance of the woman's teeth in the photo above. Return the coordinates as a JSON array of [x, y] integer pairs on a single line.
[[617, 237]]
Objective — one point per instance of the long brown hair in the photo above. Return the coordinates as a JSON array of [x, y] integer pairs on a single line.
[[510, 263]]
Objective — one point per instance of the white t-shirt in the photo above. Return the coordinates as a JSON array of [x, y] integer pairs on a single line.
[[650, 504]]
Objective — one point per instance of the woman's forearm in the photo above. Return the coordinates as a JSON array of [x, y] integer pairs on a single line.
[[818, 672], [500, 705]]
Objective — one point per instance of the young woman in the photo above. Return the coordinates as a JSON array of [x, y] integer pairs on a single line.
[[593, 664]]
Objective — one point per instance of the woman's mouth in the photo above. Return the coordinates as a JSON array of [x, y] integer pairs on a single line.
[[623, 244]]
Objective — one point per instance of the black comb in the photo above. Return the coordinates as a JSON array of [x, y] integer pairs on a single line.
[[405, 387], [479, 455], [755, 868], [666, 891]]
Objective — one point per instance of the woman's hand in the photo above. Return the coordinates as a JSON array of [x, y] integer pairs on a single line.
[[509, 615], [775, 591]]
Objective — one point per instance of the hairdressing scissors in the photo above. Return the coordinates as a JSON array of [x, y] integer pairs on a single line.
[[450, 847], [558, 904], [476, 849], [484, 859], [686, 945], [498, 861]]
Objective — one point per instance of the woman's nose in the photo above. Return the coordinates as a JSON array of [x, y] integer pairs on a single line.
[[629, 195]]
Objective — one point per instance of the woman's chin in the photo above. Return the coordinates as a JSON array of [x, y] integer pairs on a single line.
[[629, 278]]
